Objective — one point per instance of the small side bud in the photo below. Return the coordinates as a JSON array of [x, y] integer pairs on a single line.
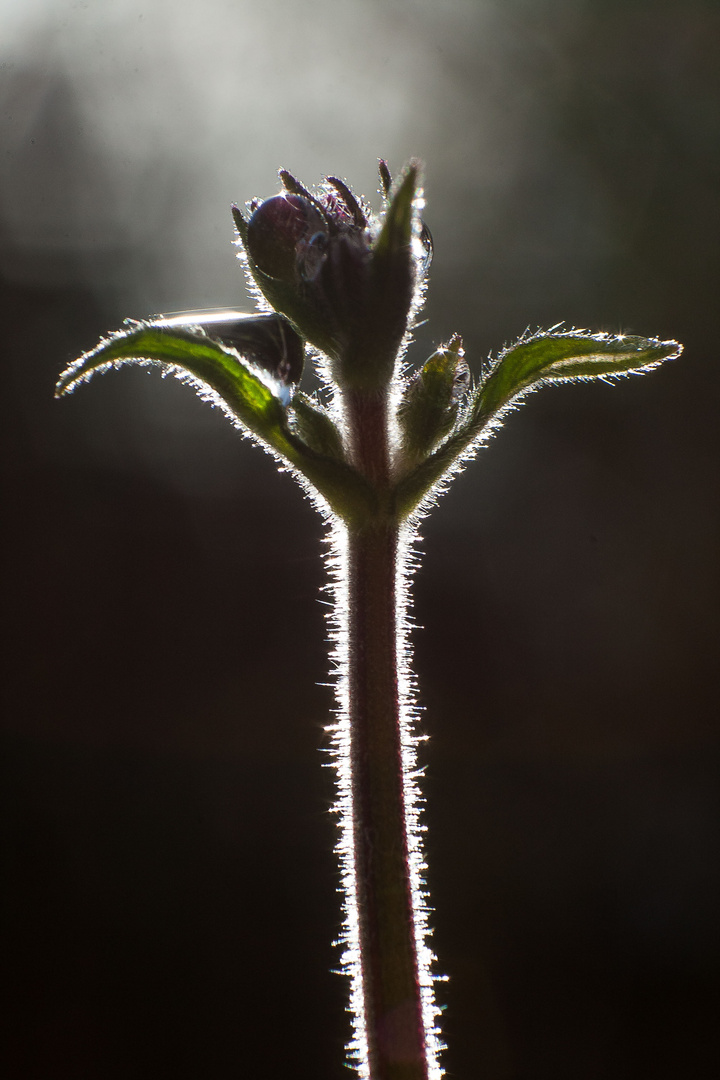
[[429, 406], [316, 428]]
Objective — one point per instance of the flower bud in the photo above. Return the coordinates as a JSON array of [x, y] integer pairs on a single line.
[[347, 281], [431, 400], [279, 230]]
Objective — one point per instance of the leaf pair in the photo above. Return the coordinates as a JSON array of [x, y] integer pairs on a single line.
[[251, 378]]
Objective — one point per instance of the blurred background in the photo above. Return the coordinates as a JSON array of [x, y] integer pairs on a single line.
[[170, 888]]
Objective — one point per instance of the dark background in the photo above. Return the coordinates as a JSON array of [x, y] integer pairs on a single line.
[[170, 899]]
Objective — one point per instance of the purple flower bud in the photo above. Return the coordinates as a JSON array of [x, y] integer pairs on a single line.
[[280, 231], [346, 280]]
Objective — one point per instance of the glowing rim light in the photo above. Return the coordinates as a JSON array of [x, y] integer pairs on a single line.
[[406, 564], [349, 940]]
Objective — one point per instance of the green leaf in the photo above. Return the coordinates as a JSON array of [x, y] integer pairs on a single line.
[[563, 357], [215, 371], [532, 362], [246, 396]]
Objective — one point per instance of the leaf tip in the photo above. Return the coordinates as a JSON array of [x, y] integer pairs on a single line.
[[671, 349]]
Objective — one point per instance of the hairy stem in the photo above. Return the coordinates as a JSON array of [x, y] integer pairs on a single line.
[[391, 992], [388, 952]]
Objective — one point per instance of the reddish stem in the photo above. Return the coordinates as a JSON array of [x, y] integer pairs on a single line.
[[392, 1000]]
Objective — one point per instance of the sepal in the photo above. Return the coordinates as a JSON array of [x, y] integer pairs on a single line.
[[390, 291]]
